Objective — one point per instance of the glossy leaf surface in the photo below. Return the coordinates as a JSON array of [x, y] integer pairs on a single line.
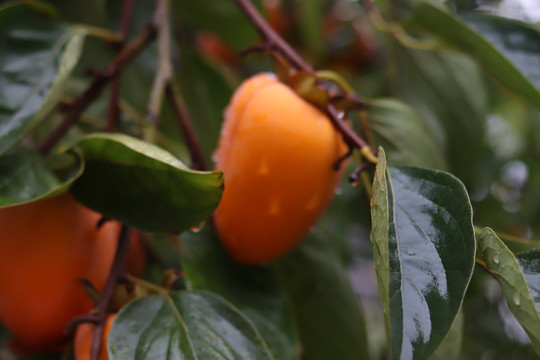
[[424, 254], [26, 176], [255, 290], [142, 185], [37, 57], [184, 325], [519, 276], [401, 132], [447, 91], [327, 312], [506, 49]]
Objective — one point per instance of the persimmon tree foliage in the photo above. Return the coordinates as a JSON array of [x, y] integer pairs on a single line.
[[428, 109]]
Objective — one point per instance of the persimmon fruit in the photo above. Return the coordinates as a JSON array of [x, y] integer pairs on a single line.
[[277, 152], [83, 340], [45, 247]]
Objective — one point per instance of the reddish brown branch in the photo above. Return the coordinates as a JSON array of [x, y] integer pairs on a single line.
[[272, 38], [113, 110], [278, 44], [95, 89], [116, 274], [186, 126]]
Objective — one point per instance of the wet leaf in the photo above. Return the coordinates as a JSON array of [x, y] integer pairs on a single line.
[[519, 276], [401, 132], [38, 55], [255, 290], [424, 254], [507, 49], [142, 185], [26, 176], [450, 348], [448, 92], [184, 325]]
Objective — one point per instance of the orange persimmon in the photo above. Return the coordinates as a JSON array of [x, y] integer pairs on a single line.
[[45, 247], [83, 340], [277, 152]]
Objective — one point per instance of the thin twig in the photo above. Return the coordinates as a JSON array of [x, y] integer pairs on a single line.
[[95, 89], [164, 70], [272, 37], [113, 108], [116, 274], [184, 121], [277, 43]]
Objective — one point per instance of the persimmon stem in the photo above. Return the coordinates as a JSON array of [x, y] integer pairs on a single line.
[[273, 40], [117, 273], [113, 110], [120, 61]]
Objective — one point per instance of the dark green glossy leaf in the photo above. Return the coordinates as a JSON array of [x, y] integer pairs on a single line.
[[184, 325], [519, 277], [253, 289], [450, 348], [327, 312], [508, 50], [26, 176], [38, 55], [401, 132], [142, 185], [448, 92], [424, 254]]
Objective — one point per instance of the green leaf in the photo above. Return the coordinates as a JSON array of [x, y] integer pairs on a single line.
[[26, 176], [253, 289], [184, 325], [448, 92], [398, 129], [142, 185], [450, 348], [424, 254], [519, 277], [328, 315], [38, 55], [508, 51]]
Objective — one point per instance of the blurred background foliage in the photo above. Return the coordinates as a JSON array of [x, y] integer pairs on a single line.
[[493, 146]]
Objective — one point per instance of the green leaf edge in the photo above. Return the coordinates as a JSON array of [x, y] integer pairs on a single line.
[[509, 278], [472, 44]]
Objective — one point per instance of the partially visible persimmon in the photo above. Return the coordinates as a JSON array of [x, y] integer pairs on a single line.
[[277, 152], [45, 247], [83, 340]]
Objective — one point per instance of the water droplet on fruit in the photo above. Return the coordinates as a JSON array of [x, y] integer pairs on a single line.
[[263, 167], [313, 202], [274, 208], [338, 190]]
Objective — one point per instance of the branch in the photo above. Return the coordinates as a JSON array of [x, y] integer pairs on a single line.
[[165, 69], [95, 89], [186, 126], [113, 109], [116, 274], [272, 38], [277, 43]]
